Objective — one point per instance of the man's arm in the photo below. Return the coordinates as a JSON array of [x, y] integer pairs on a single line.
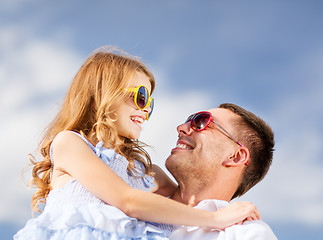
[[163, 184]]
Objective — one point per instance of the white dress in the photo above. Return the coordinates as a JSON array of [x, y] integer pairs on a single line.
[[72, 212]]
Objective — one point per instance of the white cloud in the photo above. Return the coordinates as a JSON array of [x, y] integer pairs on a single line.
[[32, 68], [29, 70]]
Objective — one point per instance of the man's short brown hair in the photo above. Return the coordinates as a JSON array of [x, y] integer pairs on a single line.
[[257, 136]]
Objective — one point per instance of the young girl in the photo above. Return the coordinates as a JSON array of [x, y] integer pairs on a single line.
[[93, 165]]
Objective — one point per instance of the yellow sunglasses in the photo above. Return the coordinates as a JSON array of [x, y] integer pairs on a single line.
[[142, 98]]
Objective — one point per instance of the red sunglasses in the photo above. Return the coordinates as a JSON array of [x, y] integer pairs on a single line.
[[201, 120]]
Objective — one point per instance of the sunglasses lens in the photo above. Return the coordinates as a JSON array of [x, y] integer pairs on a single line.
[[142, 97], [200, 121], [152, 104], [189, 118]]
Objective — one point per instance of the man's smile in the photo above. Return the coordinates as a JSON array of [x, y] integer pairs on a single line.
[[182, 145]]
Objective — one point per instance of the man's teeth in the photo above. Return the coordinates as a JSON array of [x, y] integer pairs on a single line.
[[137, 119], [182, 146]]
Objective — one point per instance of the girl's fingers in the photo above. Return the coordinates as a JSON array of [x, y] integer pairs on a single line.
[[255, 215]]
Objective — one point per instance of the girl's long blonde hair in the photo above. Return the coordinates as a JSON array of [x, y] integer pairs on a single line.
[[89, 109]]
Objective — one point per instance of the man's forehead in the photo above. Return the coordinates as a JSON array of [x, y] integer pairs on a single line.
[[222, 115]]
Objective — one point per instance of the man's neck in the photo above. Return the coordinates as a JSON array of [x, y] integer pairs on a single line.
[[188, 199], [192, 197], [220, 186]]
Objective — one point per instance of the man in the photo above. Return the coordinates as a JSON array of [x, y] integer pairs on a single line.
[[219, 156]]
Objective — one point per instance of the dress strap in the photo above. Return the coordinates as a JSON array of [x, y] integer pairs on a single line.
[[85, 140]]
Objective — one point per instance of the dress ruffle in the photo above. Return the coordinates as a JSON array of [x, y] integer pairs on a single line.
[[107, 155], [89, 222]]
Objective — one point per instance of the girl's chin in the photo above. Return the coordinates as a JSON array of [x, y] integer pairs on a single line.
[[133, 136]]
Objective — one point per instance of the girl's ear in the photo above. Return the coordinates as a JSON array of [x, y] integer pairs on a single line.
[[238, 158]]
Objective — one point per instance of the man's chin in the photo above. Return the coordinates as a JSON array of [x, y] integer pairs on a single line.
[[169, 161], [172, 160]]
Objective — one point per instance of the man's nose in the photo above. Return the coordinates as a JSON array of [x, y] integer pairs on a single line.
[[185, 128]]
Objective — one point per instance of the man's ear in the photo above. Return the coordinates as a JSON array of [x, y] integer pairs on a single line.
[[238, 158]]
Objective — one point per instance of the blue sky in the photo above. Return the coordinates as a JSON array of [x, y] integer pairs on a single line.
[[265, 56]]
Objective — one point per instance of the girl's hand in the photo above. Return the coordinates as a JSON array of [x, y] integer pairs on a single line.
[[236, 213]]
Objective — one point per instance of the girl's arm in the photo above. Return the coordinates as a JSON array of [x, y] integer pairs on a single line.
[[73, 156], [163, 184]]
